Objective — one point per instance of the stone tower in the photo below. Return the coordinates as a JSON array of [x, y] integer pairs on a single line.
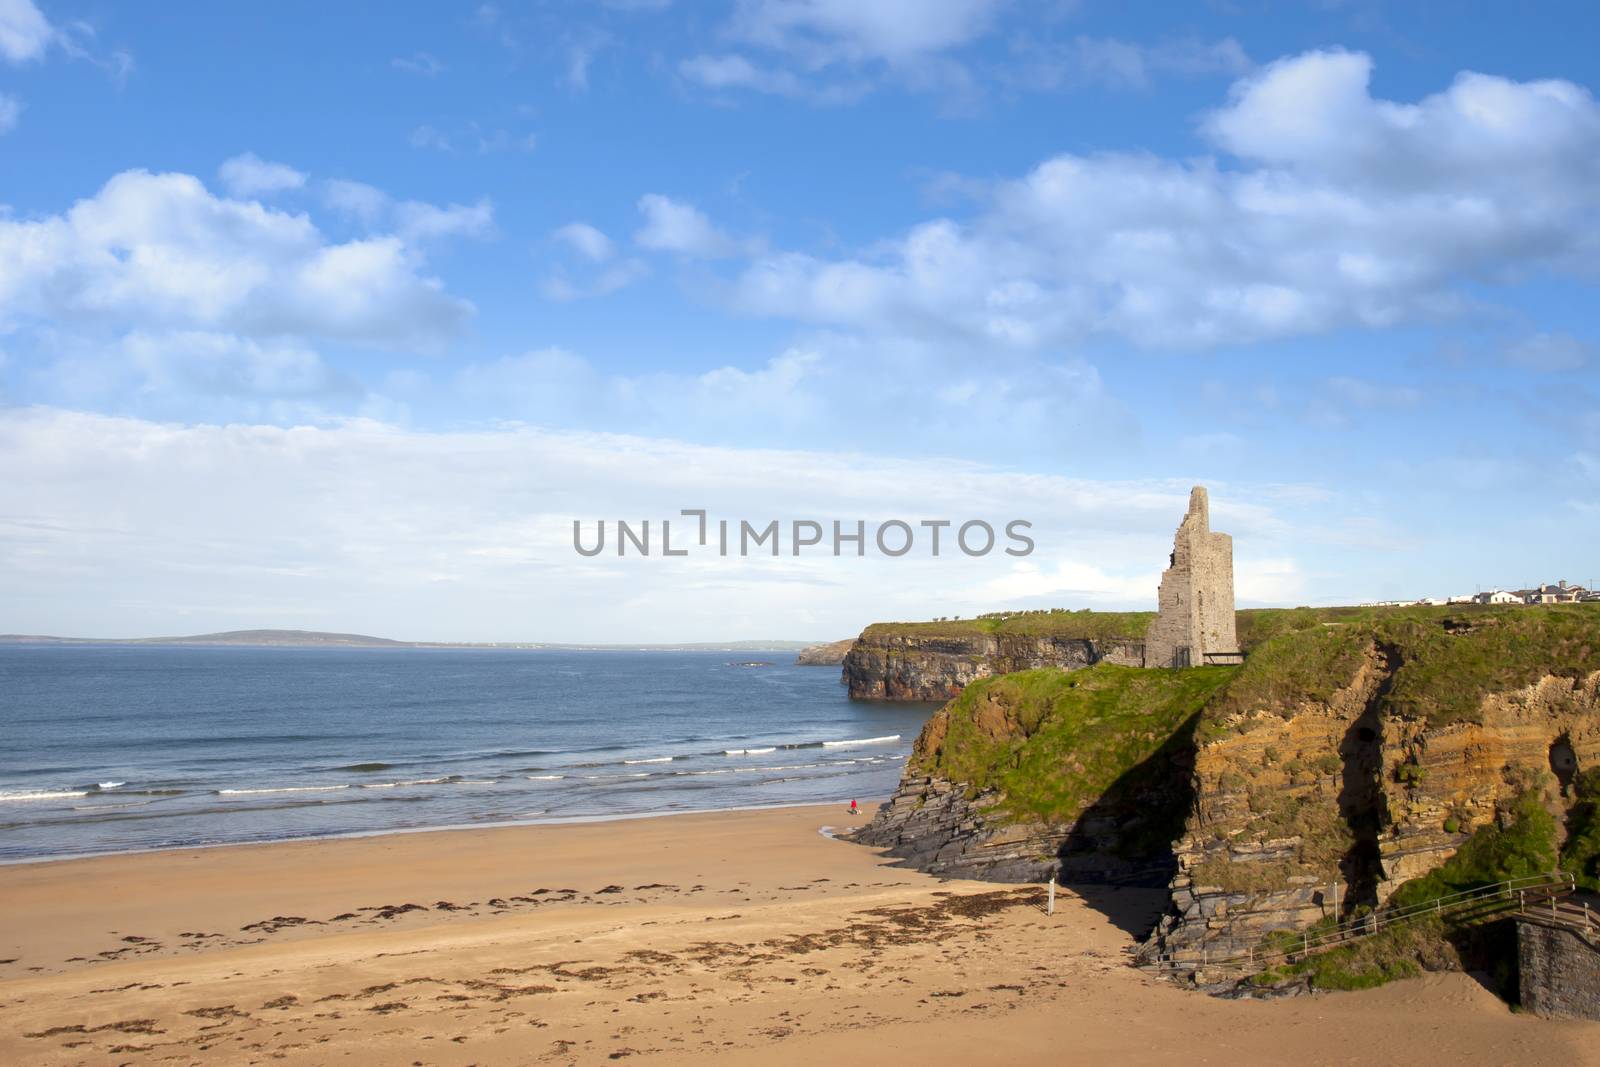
[[1194, 616]]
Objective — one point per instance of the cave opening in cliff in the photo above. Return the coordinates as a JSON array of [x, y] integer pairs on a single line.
[[1361, 796], [1564, 762]]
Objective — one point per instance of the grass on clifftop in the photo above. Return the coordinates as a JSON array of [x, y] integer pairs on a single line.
[[1085, 624], [1053, 741], [1445, 660]]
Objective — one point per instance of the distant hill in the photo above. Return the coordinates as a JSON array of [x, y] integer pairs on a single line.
[[319, 639]]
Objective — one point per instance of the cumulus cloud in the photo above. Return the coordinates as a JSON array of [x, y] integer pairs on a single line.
[[1339, 209], [24, 31], [587, 241], [249, 175], [125, 526], [674, 226], [160, 252]]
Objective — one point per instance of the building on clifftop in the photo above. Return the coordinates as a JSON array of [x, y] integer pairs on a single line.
[[1194, 622]]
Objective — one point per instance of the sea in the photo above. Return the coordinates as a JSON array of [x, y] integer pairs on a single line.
[[111, 748]]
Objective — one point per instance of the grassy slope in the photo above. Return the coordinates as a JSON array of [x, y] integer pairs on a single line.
[[1449, 658], [1053, 741]]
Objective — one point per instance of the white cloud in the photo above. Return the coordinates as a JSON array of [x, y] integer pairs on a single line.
[[895, 31], [159, 252], [1550, 353], [587, 241], [10, 112], [593, 247], [124, 526], [249, 175], [731, 71], [190, 362], [422, 63], [24, 31], [426, 136], [418, 221], [1118, 64], [365, 203], [1341, 210], [674, 226]]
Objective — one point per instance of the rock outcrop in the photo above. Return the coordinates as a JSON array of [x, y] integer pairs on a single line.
[[889, 662], [1314, 807], [968, 807], [826, 655]]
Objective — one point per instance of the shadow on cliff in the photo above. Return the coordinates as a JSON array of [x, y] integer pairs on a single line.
[[1118, 856]]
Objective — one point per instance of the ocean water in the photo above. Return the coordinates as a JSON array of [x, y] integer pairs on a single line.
[[112, 748]]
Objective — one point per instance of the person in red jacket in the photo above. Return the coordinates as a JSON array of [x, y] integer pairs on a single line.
[[854, 811]]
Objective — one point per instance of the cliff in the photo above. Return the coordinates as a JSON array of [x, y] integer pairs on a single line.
[[1352, 751], [933, 661], [1082, 772], [827, 655], [1346, 760]]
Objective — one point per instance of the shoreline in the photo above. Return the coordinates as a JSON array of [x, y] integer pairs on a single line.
[[356, 835], [729, 937]]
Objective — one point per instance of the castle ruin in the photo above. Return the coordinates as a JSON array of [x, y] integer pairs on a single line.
[[1194, 622]]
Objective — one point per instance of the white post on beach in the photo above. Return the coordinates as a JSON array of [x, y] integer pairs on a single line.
[[1050, 908]]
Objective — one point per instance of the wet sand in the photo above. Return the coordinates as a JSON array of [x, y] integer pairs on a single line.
[[734, 938]]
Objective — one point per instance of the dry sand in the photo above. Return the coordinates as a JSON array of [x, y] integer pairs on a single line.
[[736, 938]]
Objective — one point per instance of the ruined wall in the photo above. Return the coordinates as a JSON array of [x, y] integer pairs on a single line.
[[1558, 971], [1195, 612]]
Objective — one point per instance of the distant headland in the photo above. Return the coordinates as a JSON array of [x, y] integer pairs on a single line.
[[320, 639]]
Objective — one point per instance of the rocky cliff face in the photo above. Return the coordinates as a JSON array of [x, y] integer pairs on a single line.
[[1313, 808], [887, 663], [973, 803], [1346, 756], [827, 655]]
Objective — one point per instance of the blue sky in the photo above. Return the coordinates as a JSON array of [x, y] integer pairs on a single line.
[[336, 316]]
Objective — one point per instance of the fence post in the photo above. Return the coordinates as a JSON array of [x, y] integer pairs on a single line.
[[1051, 907]]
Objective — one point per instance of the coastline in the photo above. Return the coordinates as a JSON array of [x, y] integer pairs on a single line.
[[868, 803], [724, 936]]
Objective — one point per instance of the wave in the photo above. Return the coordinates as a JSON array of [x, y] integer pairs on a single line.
[[109, 785], [366, 768], [42, 794], [747, 751], [862, 741], [543, 777], [656, 759], [281, 789], [598, 777]]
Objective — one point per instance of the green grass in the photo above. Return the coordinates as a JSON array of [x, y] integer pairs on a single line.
[[1053, 741], [1089, 625], [1524, 845], [1580, 854], [1448, 659]]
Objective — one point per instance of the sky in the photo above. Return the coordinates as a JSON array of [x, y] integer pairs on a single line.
[[338, 316]]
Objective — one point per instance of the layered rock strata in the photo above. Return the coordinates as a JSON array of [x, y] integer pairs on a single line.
[[886, 664], [1309, 814]]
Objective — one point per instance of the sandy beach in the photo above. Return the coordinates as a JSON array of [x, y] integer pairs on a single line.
[[739, 937]]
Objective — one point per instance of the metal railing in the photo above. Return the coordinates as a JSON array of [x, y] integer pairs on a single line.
[[1469, 904]]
